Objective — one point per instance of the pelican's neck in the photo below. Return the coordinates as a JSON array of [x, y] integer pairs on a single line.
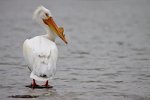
[[51, 35]]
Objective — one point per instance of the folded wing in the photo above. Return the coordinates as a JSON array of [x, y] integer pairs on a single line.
[[41, 56]]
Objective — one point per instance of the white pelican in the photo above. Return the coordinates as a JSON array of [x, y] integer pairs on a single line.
[[41, 52]]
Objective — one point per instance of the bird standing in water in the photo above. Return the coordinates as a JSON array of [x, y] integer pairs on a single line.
[[40, 52]]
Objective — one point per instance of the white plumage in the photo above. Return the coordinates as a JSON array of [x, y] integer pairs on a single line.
[[41, 55], [41, 52]]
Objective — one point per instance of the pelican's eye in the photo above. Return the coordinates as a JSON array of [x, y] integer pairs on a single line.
[[47, 15]]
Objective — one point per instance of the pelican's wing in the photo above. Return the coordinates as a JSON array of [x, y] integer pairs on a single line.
[[28, 54], [41, 56]]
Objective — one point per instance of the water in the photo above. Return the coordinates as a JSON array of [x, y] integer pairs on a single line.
[[107, 58]]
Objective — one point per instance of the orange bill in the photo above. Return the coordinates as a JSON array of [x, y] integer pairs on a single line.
[[53, 26]]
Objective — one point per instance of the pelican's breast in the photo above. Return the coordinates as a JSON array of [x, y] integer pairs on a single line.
[[40, 54]]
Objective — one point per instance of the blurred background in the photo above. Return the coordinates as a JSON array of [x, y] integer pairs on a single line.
[[107, 57]]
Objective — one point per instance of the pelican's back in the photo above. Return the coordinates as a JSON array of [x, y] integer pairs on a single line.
[[40, 54]]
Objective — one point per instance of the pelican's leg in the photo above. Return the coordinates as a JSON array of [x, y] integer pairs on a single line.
[[47, 86], [33, 85]]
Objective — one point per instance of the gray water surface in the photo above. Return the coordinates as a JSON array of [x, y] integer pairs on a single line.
[[107, 58]]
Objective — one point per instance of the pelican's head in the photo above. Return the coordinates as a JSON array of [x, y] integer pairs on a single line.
[[43, 15]]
